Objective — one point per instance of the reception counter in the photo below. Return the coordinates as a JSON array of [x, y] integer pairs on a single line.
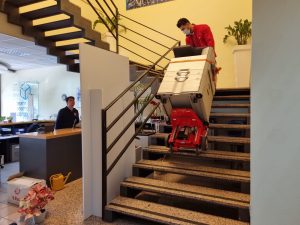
[[42, 155]]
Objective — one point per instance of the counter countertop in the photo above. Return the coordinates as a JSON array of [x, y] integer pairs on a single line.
[[52, 135], [25, 122]]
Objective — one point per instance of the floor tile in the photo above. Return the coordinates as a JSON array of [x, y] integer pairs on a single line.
[[4, 221], [3, 197], [8, 210], [13, 217]]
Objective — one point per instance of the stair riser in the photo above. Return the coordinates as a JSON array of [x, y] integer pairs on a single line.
[[68, 36], [158, 155], [49, 11], [144, 172]]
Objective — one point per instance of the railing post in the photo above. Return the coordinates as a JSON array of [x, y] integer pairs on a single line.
[[104, 161], [117, 30]]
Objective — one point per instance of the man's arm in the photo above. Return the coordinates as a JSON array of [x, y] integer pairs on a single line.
[[208, 36], [188, 41], [59, 120]]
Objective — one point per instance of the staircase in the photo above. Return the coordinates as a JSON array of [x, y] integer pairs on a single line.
[[184, 188], [56, 25]]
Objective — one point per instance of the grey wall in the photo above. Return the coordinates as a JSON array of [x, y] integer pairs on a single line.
[[275, 113]]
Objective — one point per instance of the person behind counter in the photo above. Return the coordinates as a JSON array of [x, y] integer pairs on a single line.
[[67, 117]]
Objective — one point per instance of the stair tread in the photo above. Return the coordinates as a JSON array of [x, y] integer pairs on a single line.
[[194, 170], [229, 126], [227, 198], [230, 115], [165, 214], [226, 139], [232, 97], [231, 105], [214, 154]]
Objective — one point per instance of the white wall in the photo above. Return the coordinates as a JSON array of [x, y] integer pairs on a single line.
[[103, 76], [53, 82], [275, 145]]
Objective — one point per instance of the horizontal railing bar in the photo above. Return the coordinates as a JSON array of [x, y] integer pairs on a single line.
[[127, 28], [130, 141], [131, 104], [148, 27], [114, 4], [143, 46], [139, 55], [107, 5], [137, 80], [128, 125], [108, 17], [100, 17]]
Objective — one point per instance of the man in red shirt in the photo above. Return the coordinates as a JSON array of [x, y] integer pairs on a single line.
[[197, 36]]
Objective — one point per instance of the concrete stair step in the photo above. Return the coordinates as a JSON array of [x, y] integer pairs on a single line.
[[229, 126], [230, 115], [190, 192], [190, 169], [230, 105], [232, 97], [231, 140], [208, 154], [164, 214]]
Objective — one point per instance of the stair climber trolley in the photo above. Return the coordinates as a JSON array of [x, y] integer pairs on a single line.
[[187, 92]]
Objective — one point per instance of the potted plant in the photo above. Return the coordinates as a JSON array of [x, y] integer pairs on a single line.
[[9, 119], [241, 32], [112, 23], [32, 206], [2, 118]]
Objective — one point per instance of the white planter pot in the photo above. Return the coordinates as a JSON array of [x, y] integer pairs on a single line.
[[242, 65], [109, 38]]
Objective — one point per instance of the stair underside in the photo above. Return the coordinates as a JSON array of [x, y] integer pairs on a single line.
[[231, 140], [227, 198], [165, 214], [194, 170], [209, 154]]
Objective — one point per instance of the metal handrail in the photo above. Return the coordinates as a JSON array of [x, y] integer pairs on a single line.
[[142, 46], [139, 78], [156, 42], [108, 17], [130, 105], [150, 28], [131, 140], [100, 17], [107, 5], [110, 147], [139, 55]]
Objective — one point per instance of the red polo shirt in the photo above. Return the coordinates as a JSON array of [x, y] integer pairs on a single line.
[[201, 37]]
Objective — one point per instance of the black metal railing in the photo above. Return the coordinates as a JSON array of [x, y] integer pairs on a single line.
[[111, 23]]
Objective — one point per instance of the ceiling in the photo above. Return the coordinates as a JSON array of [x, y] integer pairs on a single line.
[[20, 54]]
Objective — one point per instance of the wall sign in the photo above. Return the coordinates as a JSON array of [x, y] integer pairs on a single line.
[[133, 4]]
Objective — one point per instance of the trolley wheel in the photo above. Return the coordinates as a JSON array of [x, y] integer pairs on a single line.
[[171, 149], [204, 143], [197, 150]]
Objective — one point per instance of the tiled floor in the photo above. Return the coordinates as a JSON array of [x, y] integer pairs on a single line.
[[65, 209], [8, 212]]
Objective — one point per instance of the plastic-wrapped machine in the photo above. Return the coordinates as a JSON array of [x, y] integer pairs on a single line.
[[188, 83]]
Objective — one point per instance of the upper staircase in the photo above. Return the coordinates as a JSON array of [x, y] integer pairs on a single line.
[[56, 25], [184, 188]]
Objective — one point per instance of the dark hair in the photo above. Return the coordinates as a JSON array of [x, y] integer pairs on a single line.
[[68, 98], [182, 22]]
